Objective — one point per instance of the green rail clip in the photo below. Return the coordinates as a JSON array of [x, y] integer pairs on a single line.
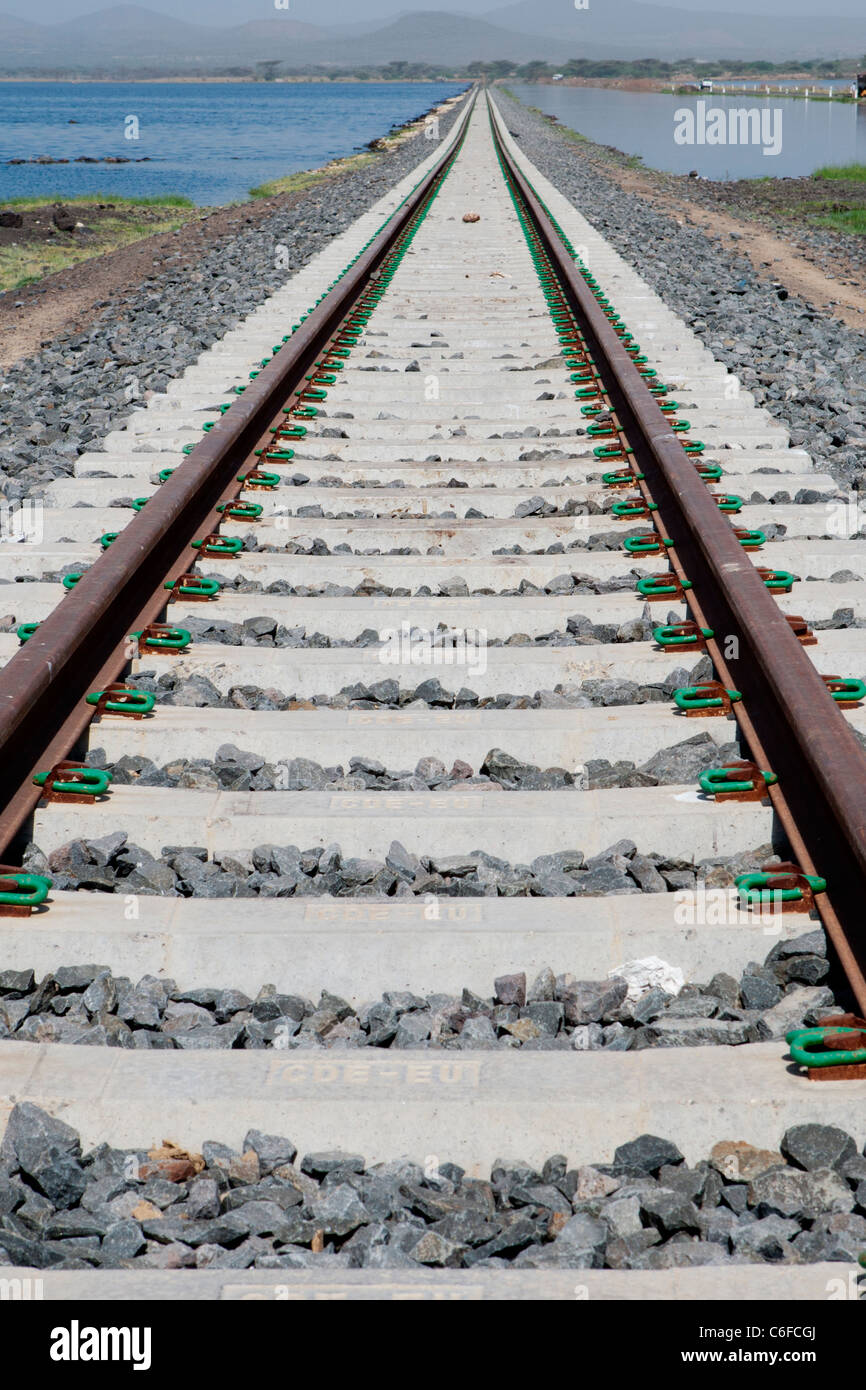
[[778, 580], [681, 634], [751, 540], [611, 451], [717, 781], [124, 701], [656, 586], [242, 511], [756, 888], [276, 455], [193, 586], [695, 697], [632, 507], [645, 545], [83, 782], [21, 892], [219, 545], [801, 1041], [846, 690], [624, 478], [162, 638], [259, 480]]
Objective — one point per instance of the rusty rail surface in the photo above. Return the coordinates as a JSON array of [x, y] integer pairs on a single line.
[[83, 645], [788, 719]]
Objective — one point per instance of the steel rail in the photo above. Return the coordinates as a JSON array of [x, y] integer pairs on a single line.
[[83, 645], [787, 715]]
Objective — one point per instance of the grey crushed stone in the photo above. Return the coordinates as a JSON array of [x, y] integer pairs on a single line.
[[266, 1206]]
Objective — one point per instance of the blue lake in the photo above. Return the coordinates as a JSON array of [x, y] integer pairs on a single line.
[[806, 134], [209, 141]]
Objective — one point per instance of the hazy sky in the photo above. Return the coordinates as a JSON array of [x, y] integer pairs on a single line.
[[345, 11]]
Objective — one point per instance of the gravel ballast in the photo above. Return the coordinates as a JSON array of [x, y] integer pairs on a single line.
[[198, 692], [234, 769], [86, 1004], [267, 1206], [113, 865]]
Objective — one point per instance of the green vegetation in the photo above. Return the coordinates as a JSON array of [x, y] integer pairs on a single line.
[[843, 216], [494, 69], [814, 69], [308, 178], [29, 253], [850, 220], [159, 200], [854, 173], [565, 131]]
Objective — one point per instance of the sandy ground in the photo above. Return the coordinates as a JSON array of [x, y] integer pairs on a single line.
[[71, 299], [771, 255]]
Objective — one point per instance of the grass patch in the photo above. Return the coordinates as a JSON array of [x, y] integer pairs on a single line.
[[841, 216], [852, 173], [573, 135], [308, 178], [350, 164], [853, 221], [27, 255], [564, 130], [160, 200]]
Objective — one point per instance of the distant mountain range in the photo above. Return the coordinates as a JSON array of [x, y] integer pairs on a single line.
[[130, 36], [649, 31]]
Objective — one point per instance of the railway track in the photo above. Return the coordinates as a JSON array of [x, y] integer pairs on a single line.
[[487, 506]]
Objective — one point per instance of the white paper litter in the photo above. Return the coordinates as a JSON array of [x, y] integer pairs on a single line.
[[649, 973]]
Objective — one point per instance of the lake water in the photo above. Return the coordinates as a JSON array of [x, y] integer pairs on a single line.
[[807, 133], [209, 141]]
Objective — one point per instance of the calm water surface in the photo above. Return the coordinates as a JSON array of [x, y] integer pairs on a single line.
[[643, 123], [209, 141]]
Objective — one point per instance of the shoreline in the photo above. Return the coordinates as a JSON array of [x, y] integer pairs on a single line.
[[302, 179], [686, 85], [66, 299], [687, 75], [793, 225], [395, 134], [612, 154], [304, 79]]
